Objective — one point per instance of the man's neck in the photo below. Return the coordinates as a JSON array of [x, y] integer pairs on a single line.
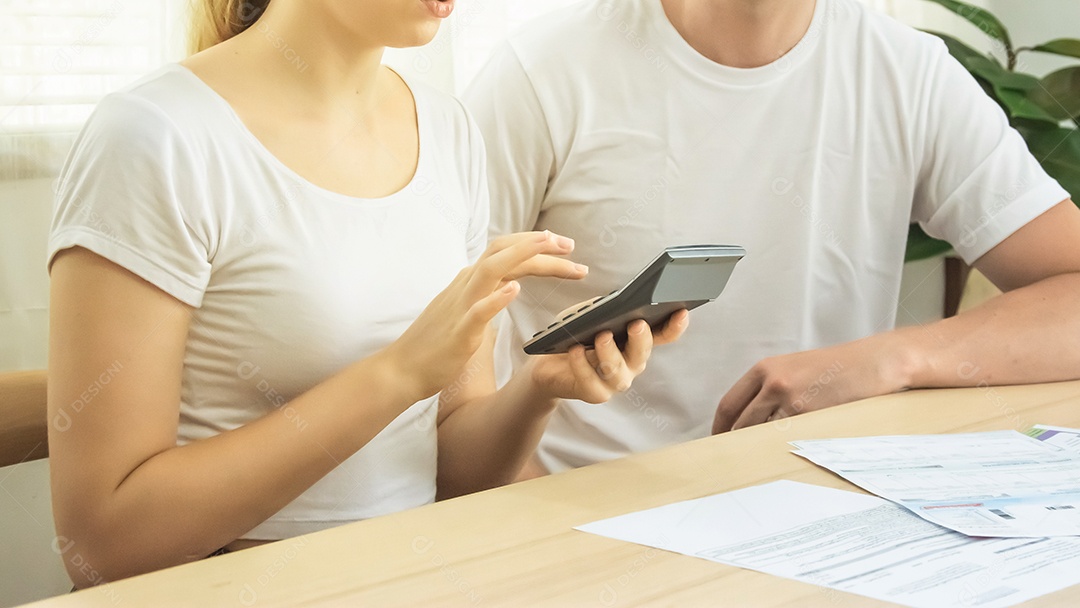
[[741, 33]]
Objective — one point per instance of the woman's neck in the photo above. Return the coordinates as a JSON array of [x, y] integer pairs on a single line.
[[741, 33], [313, 56]]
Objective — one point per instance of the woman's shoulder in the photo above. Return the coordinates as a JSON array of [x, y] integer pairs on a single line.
[[436, 103], [165, 103], [446, 114]]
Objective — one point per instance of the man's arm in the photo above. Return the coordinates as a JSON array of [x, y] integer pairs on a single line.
[[1027, 335]]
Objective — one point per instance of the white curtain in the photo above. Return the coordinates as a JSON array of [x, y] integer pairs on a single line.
[[58, 57]]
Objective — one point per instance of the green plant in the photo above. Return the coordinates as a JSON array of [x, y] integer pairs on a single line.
[[1046, 111]]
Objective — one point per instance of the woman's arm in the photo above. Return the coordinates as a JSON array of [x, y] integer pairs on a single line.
[[486, 436], [127, 500]]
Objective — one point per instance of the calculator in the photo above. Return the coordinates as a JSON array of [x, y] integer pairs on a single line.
[[683, 277]]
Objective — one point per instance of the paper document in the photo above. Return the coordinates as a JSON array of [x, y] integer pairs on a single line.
[[1000, 483], [1064, 438], [852, 542]]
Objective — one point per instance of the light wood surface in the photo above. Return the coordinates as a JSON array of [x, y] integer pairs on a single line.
[[514, 546], [23, 431]]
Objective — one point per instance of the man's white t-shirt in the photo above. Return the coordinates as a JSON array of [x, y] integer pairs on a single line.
[[603, 124], [289, 282]]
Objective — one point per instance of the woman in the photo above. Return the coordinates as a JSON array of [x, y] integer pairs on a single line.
[[240, 348]]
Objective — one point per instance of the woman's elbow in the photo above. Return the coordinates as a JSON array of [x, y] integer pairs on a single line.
[[86, 562], [96, 552]]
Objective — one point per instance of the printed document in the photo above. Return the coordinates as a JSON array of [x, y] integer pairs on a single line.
[[1000, 483], [852, 542], [1064, 438]]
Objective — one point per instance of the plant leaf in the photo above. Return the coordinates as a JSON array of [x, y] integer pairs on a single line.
[[921, 245], [1069, 47], [1059, 93], [1013, 80], [968, 57], [1058, 151], [957, 49], [1019, 105], [981, 18], [1036, 125], [984, 66]]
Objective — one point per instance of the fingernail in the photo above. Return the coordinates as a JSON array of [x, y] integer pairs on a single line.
[[583, 269], [565, 242], [510, 287], [638, 327]]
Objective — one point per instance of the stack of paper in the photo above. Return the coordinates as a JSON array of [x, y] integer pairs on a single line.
[[1000, 483], [978, 486], [852, 542], [1066, 439]]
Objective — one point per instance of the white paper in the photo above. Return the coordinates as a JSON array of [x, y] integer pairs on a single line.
[[1000, 483], [852, 542], [1059, 436]]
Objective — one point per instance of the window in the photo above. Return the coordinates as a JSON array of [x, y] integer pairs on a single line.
[[59, 57]]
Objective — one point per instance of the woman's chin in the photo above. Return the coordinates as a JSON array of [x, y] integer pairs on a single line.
[[419, 36]]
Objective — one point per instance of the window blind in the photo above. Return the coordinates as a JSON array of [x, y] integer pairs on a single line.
[[58, 58]]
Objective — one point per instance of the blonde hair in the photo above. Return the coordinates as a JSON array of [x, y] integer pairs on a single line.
[[214, 21]]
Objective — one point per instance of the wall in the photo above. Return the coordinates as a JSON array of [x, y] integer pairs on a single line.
[[1031, 23], [29, 570], [25, 209]]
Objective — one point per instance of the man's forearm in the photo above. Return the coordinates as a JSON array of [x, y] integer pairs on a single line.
[[1028, 335]]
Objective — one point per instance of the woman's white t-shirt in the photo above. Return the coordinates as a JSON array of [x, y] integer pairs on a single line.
[[289, 282]]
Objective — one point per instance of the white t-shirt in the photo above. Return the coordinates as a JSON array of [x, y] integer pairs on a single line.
[[290, 282], [603, 124]]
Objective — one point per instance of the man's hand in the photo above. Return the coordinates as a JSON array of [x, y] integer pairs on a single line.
[[787, 385], [594, 376]]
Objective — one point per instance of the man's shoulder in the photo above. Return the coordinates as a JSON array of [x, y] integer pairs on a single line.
[[869, 30], [576, 34]]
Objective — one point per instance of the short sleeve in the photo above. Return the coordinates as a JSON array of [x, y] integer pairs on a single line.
[[521, 160], [978, 182], [133, 192]]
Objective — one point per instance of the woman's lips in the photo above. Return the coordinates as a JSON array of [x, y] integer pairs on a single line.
[[440, 9]]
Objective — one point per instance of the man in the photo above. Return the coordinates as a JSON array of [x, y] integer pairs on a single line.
[[809, 133]]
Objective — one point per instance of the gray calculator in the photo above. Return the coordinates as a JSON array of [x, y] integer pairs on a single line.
[[678, 278]]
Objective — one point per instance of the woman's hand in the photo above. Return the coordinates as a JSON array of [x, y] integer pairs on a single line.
[[595, 375], [439, 343]]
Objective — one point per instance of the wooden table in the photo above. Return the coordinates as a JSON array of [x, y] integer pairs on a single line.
[[514, 546]]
